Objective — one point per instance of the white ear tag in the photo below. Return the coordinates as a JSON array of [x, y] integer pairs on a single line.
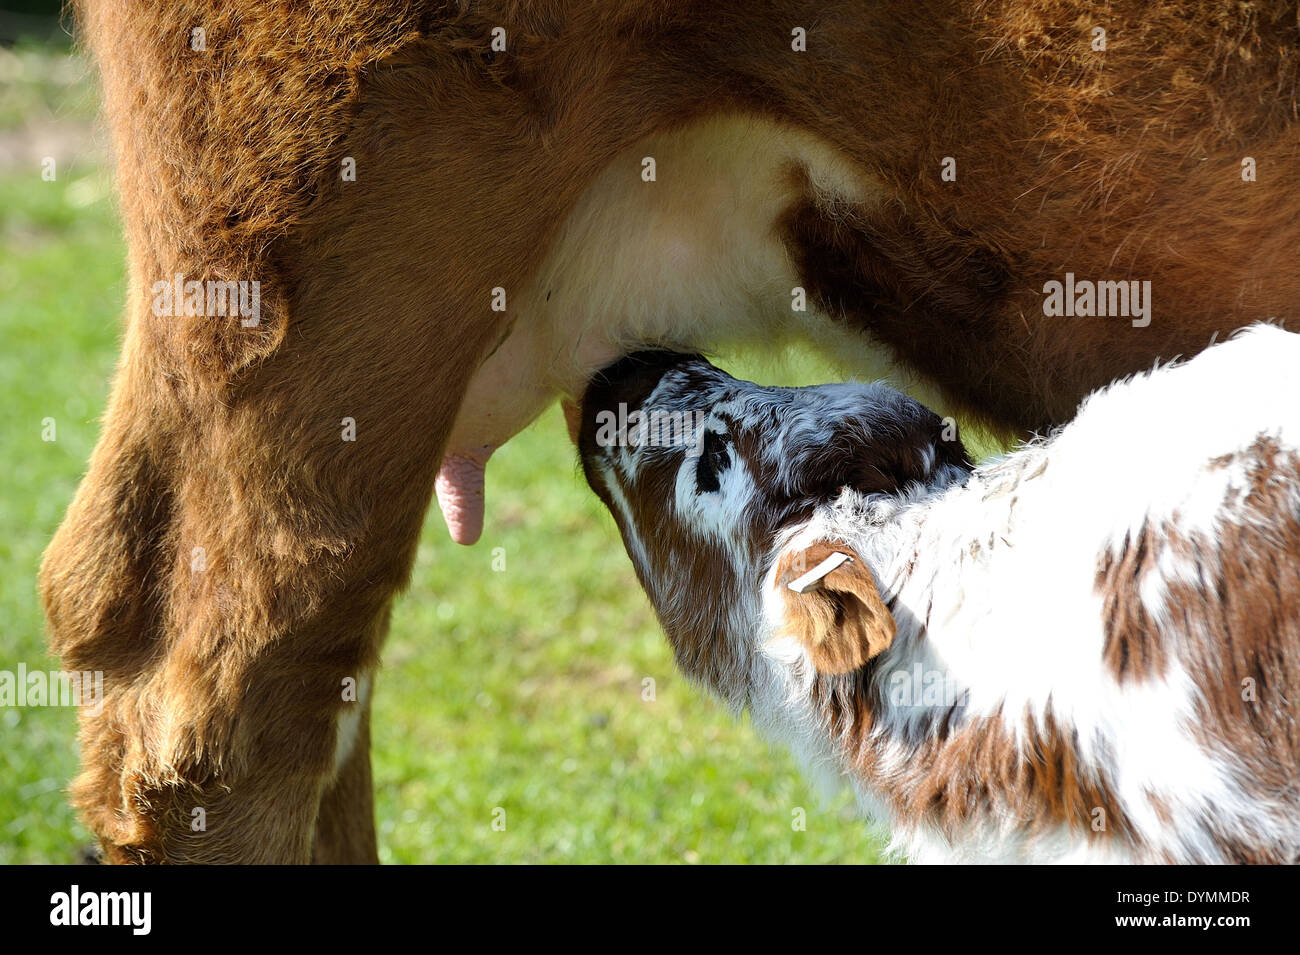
[[813, 579]]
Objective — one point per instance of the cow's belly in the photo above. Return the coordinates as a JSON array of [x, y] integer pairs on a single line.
[[693, 260]]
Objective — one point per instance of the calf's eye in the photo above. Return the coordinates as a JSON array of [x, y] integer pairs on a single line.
[[713, 459]]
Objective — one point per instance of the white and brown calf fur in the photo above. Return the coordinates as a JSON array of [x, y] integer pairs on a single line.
[[1086, 651]]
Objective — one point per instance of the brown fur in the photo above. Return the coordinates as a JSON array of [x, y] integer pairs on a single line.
[[843, 622], [693, 625], [1132, 650], [969, 770], [223, 684], [982, 772], [1243, 613], [1238, 614]]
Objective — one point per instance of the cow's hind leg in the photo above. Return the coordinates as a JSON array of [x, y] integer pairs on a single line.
[[229, 570], [257, 495]]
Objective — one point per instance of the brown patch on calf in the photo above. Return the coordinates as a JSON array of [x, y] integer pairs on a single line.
[[843, 623], [1132, 649], [1160, 805], [1039, 780], [1240, 637], [694, 628], [1235, 628], [966, 771]]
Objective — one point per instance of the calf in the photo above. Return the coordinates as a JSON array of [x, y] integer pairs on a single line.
[[1088, 650]]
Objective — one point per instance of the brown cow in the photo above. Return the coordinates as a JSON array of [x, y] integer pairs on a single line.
[[465, 211]]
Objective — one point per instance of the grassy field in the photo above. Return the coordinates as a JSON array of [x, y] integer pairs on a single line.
[[520, 688]]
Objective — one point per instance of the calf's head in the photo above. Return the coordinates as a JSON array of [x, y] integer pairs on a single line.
[[710, 479]]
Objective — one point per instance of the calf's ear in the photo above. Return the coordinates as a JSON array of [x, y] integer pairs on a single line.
[[833, 607]]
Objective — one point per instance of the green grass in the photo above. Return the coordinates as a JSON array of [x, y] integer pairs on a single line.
[[61, 288], [523, 689], [519, 688], [39, 85]]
